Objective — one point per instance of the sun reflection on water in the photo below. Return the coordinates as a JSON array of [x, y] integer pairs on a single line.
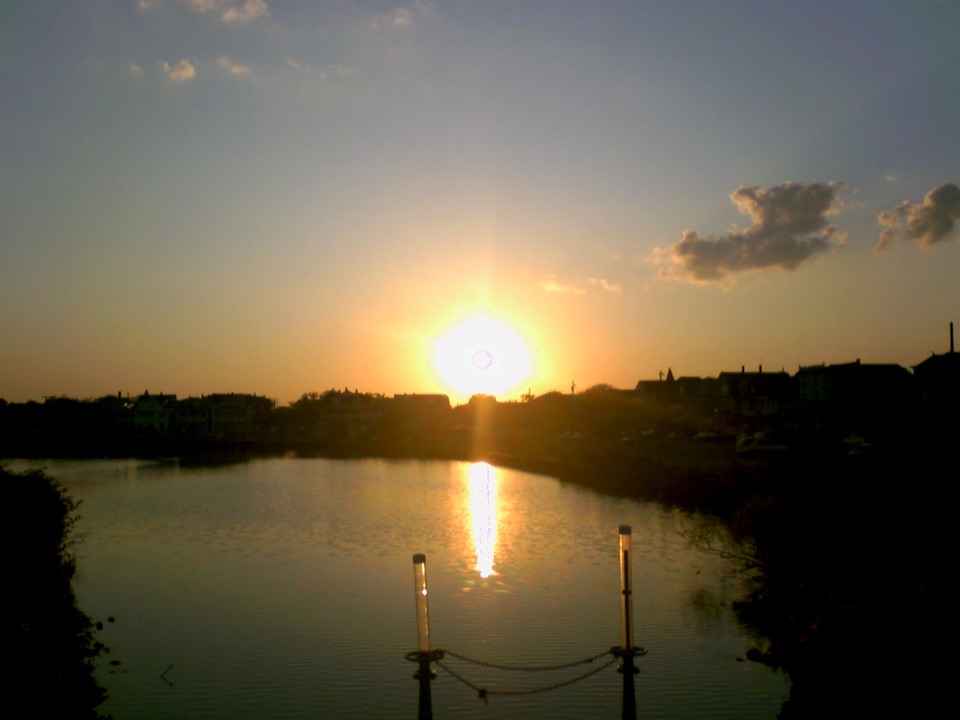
[[483, 515]]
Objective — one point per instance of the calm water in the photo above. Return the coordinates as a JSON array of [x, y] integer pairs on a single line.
[[283, 588]]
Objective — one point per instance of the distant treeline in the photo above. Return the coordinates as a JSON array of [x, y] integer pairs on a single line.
[[854, 402]]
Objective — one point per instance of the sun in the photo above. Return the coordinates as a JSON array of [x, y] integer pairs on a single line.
[[482, 354]]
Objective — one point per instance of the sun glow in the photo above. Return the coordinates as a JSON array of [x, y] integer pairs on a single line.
[[482, 355]]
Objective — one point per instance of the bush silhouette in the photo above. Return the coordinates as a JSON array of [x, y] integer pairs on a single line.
[[52, 640]]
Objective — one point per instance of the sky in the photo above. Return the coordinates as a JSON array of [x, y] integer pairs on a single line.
[[285, 196]]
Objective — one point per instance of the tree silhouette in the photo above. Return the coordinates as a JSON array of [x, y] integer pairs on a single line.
[[52, 640]]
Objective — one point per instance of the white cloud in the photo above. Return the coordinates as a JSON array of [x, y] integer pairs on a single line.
[[181, 72], [604, 284], [232, 67], [929, 222], [203, 6], [320, 75], [402, 17], [789, 227], [198, 6], [310, 73], [552, 286], [134, 69], [247, 12], [229, 11], [399, 18]]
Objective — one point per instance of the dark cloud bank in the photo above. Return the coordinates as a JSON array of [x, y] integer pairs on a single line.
[[928, 222], [789, 227]]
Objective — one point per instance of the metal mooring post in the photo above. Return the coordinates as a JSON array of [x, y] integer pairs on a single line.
[[627, 651], [423, 654]]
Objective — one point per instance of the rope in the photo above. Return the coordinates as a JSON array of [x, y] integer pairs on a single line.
[[526, 668], [484, 692]]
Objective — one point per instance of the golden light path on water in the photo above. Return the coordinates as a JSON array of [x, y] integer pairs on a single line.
[[483, 515]]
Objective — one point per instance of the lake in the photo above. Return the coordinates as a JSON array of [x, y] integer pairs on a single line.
[[284, 588]]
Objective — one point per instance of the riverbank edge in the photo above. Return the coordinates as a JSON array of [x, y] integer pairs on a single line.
[[53, 642]]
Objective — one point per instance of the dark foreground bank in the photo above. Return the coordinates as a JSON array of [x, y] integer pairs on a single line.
[[51, 641], [851, 562], [849, 554]]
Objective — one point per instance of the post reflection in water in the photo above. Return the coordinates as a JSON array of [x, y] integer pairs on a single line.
[[483, 515]]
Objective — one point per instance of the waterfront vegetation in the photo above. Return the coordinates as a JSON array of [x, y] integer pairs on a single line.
[[848, 562], [53, 642]]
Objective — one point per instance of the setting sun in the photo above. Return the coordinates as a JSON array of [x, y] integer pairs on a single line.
[[482, 354]]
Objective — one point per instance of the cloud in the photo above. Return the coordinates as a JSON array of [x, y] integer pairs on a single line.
[[198, 6], [134, 69], [232, 67], [605, 285], [330, 72], [931, 221], [789, 227], [181, 72], [247, 12], [399, 18], [203, 6], [229, 11], [552, 286], [402, 18]]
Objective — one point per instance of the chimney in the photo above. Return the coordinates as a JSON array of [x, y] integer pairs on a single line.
[[951, 338]]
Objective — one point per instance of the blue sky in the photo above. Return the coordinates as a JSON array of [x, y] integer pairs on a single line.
[[279, 197]]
